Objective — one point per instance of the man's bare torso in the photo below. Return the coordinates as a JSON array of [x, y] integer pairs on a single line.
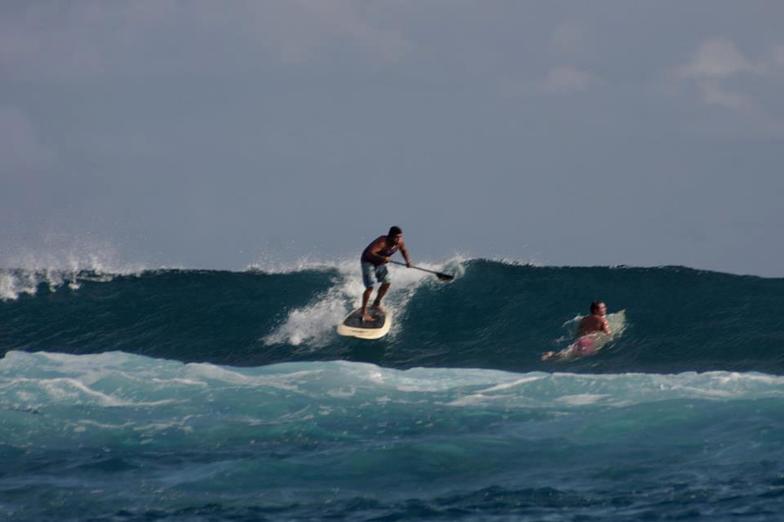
[[593, 323], [381, 248]]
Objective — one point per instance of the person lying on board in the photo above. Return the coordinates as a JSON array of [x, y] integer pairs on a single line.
[[585, 344], [596, 322], [374, 265]]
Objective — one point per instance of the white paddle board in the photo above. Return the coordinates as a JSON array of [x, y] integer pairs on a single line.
[[354, 326]]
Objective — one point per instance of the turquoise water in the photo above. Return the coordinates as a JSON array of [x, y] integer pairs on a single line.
[[187, 395]]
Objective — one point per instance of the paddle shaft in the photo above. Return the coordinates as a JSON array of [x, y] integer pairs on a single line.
[[439, 274]]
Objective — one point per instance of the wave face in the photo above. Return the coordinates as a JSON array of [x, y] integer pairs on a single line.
[[494, 315], [117, 436]]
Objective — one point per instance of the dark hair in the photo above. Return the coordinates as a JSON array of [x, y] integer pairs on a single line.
[[595, 306], [393, 231]]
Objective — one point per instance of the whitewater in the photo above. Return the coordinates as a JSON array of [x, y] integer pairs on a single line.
[[216, 395]]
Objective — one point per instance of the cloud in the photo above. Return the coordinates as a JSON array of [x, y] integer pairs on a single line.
[[20, 147], [305, 26], [778, 56], [566, 78], [718, 61], [77, 40], [718, 58], [747, 87], [714, 94], [568, 37]]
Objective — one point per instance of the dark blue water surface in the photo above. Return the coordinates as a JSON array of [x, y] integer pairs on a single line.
[[494, 315], [206, 395]]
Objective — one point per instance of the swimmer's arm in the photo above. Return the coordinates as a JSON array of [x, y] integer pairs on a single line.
[[606, 327], [582, 328]]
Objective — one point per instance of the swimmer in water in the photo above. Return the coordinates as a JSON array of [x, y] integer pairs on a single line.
[[590, 324], [596, 322]]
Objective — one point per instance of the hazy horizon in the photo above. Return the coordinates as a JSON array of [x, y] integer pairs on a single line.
[[211, 135]]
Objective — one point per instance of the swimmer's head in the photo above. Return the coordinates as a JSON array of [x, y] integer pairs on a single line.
[[598, 307]]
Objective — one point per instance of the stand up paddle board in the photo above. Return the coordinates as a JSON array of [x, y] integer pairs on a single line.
[[354, 326]]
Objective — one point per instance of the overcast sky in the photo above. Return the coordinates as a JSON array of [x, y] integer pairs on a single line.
[[218, 134]]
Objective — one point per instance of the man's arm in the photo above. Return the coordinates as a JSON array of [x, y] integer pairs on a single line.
[[404, 251], [606, 327]]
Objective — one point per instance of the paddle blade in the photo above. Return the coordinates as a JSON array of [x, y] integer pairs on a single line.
[[444, 277]]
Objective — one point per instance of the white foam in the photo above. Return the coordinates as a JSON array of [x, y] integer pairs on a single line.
[[36, 381], [62, 265], [14, 284], [343, 393], [582, 399], [511, 261], [103, 425], [75, 391], [513, 384], [268, 266], [210, 372]]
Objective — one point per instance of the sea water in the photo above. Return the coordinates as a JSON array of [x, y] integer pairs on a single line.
[[203, 395]]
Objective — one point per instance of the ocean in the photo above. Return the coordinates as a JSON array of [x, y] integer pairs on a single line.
[[216, 395]]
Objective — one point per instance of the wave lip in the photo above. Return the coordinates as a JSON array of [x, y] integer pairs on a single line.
[[67, 263]]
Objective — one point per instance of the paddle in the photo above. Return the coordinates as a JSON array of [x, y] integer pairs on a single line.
[[440, 275]]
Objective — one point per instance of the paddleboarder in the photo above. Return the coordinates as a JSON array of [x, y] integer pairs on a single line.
[[374, 266]]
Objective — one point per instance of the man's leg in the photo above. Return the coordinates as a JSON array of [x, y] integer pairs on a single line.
[[367, 280], [382, 291], [382, 276], [365, 298]]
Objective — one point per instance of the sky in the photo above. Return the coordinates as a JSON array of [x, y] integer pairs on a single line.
[[224, 134]]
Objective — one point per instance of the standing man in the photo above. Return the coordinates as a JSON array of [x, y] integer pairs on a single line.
[[374, 263]]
